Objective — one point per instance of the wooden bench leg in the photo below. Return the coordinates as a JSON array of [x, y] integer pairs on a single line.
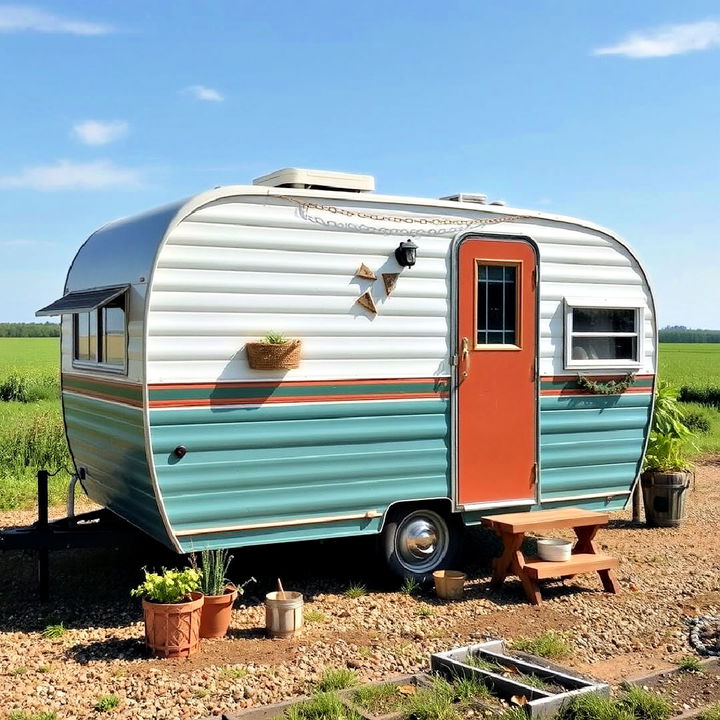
[[609, 581], [585, 539], [530, 586], [503, 565]]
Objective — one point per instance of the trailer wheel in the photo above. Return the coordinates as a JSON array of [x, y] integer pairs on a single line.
[[417, 541]]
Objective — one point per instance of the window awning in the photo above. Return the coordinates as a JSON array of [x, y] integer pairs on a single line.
[[82, 301]]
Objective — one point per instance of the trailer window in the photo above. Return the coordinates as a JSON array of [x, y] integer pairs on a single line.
[[497, 304], [100, 336], [603, 336]]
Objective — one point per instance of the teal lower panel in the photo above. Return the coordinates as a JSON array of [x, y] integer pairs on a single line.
[[108, 440], [276, 464], [591, 445]]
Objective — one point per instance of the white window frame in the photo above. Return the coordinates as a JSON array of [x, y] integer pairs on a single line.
[[604, 304], [116, 368]]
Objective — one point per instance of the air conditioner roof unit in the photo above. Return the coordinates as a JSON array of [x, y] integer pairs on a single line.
[[318, 179], [467, 197]]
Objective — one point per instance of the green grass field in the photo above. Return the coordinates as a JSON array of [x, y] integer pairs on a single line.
[[690, 364], [32, 434], [29, 354]]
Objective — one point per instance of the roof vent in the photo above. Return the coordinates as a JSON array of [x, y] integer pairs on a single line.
[[317, 180], [467, 197]]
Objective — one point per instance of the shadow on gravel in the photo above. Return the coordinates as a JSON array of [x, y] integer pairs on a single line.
[[91, 588], [107, 650]]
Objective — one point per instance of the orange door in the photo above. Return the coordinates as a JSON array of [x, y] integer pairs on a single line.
[[497, 392]]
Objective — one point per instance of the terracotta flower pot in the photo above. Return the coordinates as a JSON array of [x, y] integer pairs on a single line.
[[217, 613], [173, 629]]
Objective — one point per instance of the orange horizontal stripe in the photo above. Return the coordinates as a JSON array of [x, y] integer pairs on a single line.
[[294, 383], [262, 400]]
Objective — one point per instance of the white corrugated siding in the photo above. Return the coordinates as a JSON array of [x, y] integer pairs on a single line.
[[236, 269]]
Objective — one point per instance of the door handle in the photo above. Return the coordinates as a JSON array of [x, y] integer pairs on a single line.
[[465, 357]]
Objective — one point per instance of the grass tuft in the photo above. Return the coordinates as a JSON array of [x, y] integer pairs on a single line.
[[22, 715], [321, 706], [594, 707], [644, 704], [233, 672], [410, 586], [106, 703], [711, 712], [549, 645], [433, 703], [424, 611], [355, 591], [52, 632], [337, 679], [19, 670], [691, 664], [315, 616]]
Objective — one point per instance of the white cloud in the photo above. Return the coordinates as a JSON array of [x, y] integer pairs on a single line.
[[668, 40], [68, 175], [200, 92], [24, 18], [94, 132]]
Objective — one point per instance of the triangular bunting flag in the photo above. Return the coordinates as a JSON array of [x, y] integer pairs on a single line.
[[365, 272], [390, 279], [367, 302]]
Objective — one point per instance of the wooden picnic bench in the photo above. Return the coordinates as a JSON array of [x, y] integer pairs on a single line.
[[585, 557]]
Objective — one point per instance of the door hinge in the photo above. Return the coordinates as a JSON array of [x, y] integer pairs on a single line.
[[454, 361]]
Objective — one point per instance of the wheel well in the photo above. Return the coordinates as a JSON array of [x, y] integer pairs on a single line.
[[440, 505]]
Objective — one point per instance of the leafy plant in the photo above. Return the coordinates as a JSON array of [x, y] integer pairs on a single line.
[[550, 645], [670, 437], [355, 590], [690, 664], [275, 338], [644, 704], [106, 703], [168, 586], [54, 631], [315, 616], [337, 679]]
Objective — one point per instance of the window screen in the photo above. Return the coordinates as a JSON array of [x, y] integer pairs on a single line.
[[497, 304], [603, 334]]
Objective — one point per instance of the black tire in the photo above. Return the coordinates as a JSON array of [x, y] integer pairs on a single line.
[[438, 538]]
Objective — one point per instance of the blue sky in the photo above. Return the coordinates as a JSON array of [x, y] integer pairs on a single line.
[[607, 111]]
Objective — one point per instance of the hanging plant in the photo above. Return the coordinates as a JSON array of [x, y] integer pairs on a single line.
[[611, 387]]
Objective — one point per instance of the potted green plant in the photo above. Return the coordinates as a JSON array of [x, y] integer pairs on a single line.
[[172, 604], [667, 467], [219, 592], [274, 352]]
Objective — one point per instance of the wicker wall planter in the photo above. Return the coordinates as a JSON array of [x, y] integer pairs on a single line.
[[269, 356], [173, 629]]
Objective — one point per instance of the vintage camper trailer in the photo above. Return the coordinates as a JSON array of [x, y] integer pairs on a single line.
[[456, 361]]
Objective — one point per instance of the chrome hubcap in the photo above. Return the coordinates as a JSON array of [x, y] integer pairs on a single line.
[[421, 542]]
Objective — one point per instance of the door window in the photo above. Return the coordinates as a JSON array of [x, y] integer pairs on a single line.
[[497, 305]]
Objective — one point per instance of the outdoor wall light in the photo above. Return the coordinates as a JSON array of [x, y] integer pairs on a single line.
[[406, 253]]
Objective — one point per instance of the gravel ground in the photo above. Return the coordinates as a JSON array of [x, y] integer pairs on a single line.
[[668, 576]]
